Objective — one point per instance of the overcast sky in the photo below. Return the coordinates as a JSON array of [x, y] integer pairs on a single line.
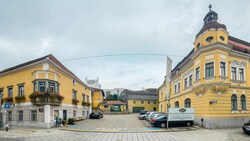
[[72, 28]]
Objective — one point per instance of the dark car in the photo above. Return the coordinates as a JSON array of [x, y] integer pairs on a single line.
[[143, 112], [162, 122], [246, 127], [96, 115]]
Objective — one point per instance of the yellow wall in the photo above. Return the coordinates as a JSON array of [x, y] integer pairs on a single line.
[[201, 100], [28, 75], [162, 101], [145, 105], [97, 99], [123, 108]]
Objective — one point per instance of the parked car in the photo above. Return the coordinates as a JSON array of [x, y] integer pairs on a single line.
[[162, 122], [96, 115], [143, 117], [156, 115], [246, 127], [143, 112], [148, 115]]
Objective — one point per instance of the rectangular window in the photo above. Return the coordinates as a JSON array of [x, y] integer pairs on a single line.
[[142, 102], [83, 97], [197, 74], [56, 114], [73, 94], [154, 102], [233, 70], [9, 116], [106, 106], [1, 91], [175, 88], [74, 113], [179, 87], [190, 80], [51, 87], [134, 102], [185, 83], [209, 67], [33, 115], [223, 69], [21, 90], [87, 98], [10, 92], [241, 71], [20, 115], [41, 86], [148, 102]]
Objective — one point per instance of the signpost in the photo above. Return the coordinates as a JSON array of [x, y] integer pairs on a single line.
[[168, 85]]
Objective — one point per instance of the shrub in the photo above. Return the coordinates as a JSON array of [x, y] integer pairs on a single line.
[[71, 121]]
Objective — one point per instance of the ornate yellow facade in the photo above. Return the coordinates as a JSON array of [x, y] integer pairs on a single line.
[[40, 90], [213, 78]]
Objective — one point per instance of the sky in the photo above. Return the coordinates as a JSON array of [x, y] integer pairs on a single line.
[[76, 29]]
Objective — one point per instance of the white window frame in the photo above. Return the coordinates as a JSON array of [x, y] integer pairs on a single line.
[[205, 68], [225, 68]]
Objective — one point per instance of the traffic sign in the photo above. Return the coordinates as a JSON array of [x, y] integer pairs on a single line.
[[7, 105]]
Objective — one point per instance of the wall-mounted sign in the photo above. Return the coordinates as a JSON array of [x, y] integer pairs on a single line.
[[181, 114]]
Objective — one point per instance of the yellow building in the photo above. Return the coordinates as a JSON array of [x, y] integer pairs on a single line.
[[162, 100], [41, 90], [97, 98], [113, 106], [139, 100], [213, 78]]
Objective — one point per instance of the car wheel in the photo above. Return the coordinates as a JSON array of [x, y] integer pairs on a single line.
[[144, 118], [163, 125], [188, 124]]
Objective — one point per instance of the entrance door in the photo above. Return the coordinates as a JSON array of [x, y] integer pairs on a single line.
[[154, 108], [65, 114], [137, 109]]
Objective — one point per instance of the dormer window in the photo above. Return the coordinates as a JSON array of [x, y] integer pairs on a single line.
[[222, 38], [209, 39], [198, 45]]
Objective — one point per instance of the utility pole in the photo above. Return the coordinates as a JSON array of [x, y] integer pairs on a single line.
[[168, 85]]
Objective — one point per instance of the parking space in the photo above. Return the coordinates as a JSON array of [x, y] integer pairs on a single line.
[[114, 121]]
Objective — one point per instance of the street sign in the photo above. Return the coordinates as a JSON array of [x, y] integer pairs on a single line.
[[7, 105]]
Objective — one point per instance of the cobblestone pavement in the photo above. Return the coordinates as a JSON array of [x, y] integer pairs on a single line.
[[55, 134]]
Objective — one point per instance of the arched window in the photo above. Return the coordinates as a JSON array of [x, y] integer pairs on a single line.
[[187, 103], [234, 102], [243, 102], [176, 104]]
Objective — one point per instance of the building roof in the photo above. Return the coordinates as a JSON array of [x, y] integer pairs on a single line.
[[50, 57], [143, 97], [113, 102], [211, 25]]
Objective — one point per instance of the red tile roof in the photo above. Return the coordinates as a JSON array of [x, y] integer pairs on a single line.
[[113, 102]]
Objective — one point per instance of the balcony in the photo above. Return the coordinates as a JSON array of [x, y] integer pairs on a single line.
[[46, 98]]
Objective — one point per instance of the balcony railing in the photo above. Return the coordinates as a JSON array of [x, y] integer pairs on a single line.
[[46, 98]]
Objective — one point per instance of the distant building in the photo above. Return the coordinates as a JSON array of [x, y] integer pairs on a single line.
[[113, 106], [109, 92], [96, 92], [139, 100]]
